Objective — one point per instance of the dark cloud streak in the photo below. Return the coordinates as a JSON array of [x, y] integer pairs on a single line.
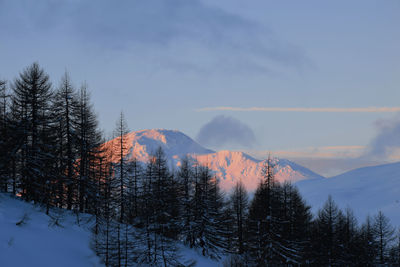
[[388, 138]]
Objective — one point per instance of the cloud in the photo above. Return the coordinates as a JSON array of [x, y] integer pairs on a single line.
[[224, 130], [386, 144], [284, 109], [171, 25]]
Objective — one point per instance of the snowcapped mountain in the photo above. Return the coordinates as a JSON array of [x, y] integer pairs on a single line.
[[141, 144], [230, 166], [366, 190], [234, 165]]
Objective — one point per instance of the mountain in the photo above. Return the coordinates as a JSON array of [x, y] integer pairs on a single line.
[[234, 165], [141, 144], [230, 166], [366, 190]]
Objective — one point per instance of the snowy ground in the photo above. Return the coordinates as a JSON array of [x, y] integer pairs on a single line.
[[192, 254], [37, 241], [29, 238]]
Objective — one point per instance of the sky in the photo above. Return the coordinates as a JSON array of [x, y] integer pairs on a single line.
[[313, 81]]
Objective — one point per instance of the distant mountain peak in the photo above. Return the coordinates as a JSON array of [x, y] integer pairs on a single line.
[[229, 166]]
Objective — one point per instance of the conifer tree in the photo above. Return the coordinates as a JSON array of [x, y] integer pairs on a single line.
[[185, 179], [265, 221], [326, 233], [216, 236], [14, 146], [368, 247], [105, 226], [31, 100], [348, 237], [65, 109], [384, 234], [5, 146], [134, 189], [395, 251], [209, 208], [121, 148], [88, 150], [239, 205], [294, 225]]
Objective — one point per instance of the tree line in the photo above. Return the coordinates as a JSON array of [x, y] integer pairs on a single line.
[[49, 141], [144, 213]]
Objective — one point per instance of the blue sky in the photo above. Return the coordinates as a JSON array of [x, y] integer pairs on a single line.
[[161, 61]]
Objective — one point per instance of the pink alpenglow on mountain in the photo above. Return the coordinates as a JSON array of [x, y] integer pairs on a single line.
[[232, 166], [229, 166]]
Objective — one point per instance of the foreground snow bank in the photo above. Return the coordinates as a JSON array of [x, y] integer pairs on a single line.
[[28, 237], [189, 254]]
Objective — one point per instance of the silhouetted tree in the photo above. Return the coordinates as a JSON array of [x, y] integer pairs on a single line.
[[348, 235], [6, 147], [384, 235], [368, 247], [121, 148], [88, 150], [186, 182], [239, 204], [31, 101], [65, 110], [325, 236], [394, 254], [264, 220]]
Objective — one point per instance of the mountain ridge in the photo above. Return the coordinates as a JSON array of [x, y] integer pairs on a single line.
[[366, 190], [229, 166]]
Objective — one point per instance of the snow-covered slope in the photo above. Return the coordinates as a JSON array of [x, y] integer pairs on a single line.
[[30, 238], [229, 165], [37, 241], [366, 190]]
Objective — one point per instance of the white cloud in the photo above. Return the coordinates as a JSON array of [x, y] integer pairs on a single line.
[[304, 109]]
